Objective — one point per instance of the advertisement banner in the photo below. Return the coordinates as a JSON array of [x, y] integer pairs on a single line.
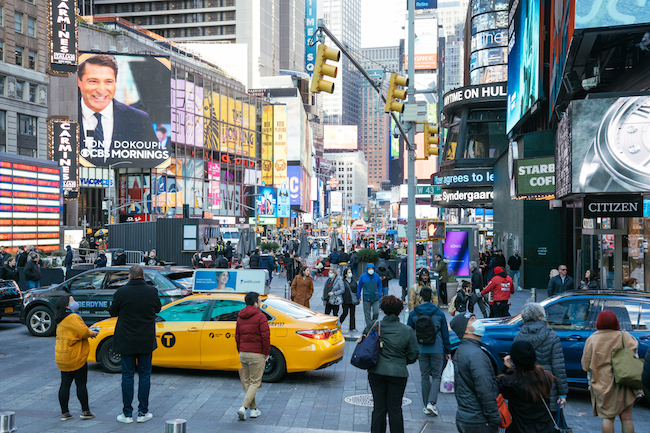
[[561, 33], [295, 183], [523, 61], [266, 202], [426, 44], [590, 14], [284, 203], [336, 201], [187, 115], [464, 197], [63, 143], [122, 113], [267, 145], [280, 146], [465, 177], [456, 250], [356, 211], [221, 280], [62, 37], [311, 24], [535, 176], [339, 137], [214, 188], [229, 124], [394, 140]]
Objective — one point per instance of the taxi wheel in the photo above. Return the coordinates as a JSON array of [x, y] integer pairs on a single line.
[[111, 362], [276, 366], [40, 321]]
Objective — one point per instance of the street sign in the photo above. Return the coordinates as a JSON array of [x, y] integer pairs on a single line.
[[334, 182], [428, 189]]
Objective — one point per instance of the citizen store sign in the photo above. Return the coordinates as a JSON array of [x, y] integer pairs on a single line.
[[612, 206]]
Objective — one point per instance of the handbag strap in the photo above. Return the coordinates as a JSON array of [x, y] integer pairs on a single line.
[[550, 414], [623, 339]]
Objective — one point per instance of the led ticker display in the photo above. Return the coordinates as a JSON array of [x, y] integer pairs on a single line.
[[30, 204]]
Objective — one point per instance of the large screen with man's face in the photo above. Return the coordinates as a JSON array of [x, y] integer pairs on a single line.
[[124, 110]]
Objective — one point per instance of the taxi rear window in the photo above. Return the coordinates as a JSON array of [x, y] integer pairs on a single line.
[[291, 309]]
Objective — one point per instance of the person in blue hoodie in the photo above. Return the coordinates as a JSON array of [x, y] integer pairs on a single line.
[[371, 287], [433, 346]]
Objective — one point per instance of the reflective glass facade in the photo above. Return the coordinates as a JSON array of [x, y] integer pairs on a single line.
[[489, 41]]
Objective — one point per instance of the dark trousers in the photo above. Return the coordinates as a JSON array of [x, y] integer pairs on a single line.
[[475, 299], [332, 309], [442, 292], [129, 364], [465, 427], [80, 378], [349, 309], [405, 292], [387, 393], [501, 309]]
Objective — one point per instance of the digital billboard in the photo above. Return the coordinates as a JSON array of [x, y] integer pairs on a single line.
[[266, 202], [340, 137], [336, 201], [241, 280], [229, 124], [561, 32], [299, 187], [187, 115], [267, 145], [284, 203], [523, 61], [591, 14], [280, 146], [124, 103], [456, 250], [426, 44]]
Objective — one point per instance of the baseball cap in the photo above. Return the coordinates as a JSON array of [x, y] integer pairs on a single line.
[[498, 270], [459, 323]]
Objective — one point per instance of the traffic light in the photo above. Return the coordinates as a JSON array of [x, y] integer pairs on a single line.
[[321, 68], [112, 219], [431, 141], [396, 93], [436, 230]]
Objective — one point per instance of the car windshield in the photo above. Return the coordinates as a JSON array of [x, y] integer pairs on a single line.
[[291, 309], [159, 281], [517, 319]]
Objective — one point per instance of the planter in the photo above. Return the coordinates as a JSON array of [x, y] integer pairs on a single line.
[[452, 288]]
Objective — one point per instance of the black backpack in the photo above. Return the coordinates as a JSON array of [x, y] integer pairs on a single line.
[[425, 329]]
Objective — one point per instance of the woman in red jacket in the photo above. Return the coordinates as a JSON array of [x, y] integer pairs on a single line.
[[253, 339], [502, 287]]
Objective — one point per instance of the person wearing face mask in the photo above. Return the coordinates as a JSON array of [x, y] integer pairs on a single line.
[[71, 355], [350, 300], [370, 285], [631, 284], [476, 386]]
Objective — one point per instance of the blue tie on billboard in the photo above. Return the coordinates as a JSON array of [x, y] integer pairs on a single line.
[[311, 24]]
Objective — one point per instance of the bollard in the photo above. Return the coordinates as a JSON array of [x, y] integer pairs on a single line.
[[533, 294], [7, 422], [175, 426]]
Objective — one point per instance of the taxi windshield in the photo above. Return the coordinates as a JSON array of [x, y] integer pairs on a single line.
[[292, 310]]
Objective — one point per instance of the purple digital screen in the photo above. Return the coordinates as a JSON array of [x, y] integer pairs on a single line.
[[456, 250]]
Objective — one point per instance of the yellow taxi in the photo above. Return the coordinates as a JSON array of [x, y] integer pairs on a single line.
[[198, 331]]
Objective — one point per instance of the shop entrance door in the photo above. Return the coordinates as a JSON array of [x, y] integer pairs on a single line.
[[603, 252]]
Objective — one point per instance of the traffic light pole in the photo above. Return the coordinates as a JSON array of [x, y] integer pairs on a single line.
[[410, 145]]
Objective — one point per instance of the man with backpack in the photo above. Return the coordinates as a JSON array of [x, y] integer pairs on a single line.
[[432, 334]]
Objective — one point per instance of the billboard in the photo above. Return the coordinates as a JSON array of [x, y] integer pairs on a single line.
[[590, 14], [523, 61], [336, 201], [187, 115], [394, 140], [214, 180], [456, 250], [562, 27], [280, 146], [267, 145], [64, 144], [602, 146], [426, 44], [124, 104], [284, 203], [340, 137], [311, 24], [266, 202], [229, 124], [535, 176], [241, 281], [62, 37]]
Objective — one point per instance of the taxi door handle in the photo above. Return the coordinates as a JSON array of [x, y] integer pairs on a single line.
[[574, 338], [192, 329]]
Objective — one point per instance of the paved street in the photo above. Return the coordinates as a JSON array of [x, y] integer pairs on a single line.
[[307, 403]]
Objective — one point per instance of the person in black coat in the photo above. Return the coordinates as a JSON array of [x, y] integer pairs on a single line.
[[100, 261], [222, 262], [10, 271], [255, 260], [560, 283], [135, 305], [293, 268], [4, 255], [68, 259], [32, 271], [21, 257], [403, 274]]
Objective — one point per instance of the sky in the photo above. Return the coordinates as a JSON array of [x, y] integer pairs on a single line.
[[381, 22]]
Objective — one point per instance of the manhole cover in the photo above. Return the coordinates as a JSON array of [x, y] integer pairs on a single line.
[[366, 400]]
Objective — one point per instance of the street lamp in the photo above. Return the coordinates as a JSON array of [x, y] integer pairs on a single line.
[[110, 187]]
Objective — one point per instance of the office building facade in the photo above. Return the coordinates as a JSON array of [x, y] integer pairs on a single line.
[[351, 169]]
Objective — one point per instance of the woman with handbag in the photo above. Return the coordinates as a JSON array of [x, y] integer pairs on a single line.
[[527, 387], [387, 378], [333, 293], [350, 300], [608, 398]]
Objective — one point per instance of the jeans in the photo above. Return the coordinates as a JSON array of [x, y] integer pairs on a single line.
[[515, 278], [501, 309], [129, 364], [349, 309], [253, 365], [367, 306], [466, 427], [32, 284], [431, 365], [405, 292], [80, 378], [442, 292], [387, 393], [332, 309]]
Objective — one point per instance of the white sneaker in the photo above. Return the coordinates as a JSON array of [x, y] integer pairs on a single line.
[[125, 419], [255, 413], [146, 417], [433, 410], [241, 413], [426, 411]]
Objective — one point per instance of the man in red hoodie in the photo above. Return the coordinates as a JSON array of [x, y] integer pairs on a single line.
[[502, 287], [253, 339]]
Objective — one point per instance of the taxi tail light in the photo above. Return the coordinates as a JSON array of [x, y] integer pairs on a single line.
[[317, 334]]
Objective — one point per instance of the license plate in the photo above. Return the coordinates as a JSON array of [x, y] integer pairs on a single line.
[[336, 337], [9, 309]]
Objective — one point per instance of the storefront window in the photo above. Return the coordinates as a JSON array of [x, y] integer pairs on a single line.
[[485, 140], [633, 250]]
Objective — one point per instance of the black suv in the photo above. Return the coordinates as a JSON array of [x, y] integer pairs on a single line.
[[94, 291], [10, 298]]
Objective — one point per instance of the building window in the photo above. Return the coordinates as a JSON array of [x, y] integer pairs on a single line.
[[26, 125], [2, 51], [31, 26], [2, 16], [22, 151], [19, 56], [3, 120], [18, 22], [2, 86], [20, 86], [31, 60], [32, 93]]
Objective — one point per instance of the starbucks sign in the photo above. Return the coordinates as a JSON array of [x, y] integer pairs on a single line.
[[535, 176]]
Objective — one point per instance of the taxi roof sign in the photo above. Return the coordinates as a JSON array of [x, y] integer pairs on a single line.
[[231, 280]]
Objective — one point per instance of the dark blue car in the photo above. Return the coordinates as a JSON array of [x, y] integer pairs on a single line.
[[573, 316]]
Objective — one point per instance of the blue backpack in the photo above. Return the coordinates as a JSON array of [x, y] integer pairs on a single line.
[[366, 354]]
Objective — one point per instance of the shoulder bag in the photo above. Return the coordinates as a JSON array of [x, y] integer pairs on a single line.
[[560, 424], [366, 354], [626, 367], [504, 412]]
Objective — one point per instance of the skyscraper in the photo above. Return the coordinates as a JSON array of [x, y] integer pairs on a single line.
[[343, 19], [292, 35]]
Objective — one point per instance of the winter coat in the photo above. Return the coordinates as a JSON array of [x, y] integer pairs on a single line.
[[255, 261], [100, 262], [334, 285], [21, 259], [399, 347], [266, 262], [334, 258], [590, 284], [10, 273], [501, 286], [527, 416], [32, 271], [608, 399], [228, 252], [371, 286], [68, 258], [354, 260], [293, 269], [120, 260], [343, 258], [477, 280], [351, 290], [441, 345], [514, 262], [302, 289], [403, 273], [475, 385], [441, 269], [135, 305], [384, 275], [222, 263], [414, 295], [555, 285], [72, 348], [461, 301], [550, 356], [252, 333]]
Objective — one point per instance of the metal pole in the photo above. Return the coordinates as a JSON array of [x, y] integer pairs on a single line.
[[410, 228]]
